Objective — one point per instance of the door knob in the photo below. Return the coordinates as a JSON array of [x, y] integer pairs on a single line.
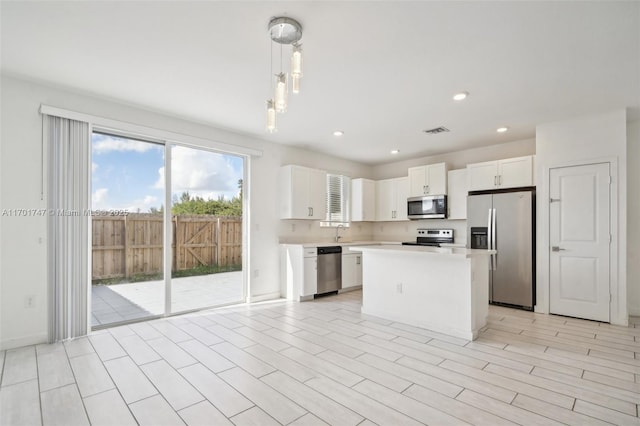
[[556, 248]]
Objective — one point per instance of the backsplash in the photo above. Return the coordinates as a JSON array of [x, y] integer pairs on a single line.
[[305, 231], [406, 231]]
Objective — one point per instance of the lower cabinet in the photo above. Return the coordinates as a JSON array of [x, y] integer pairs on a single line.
[[351, 270], [298, 271], [310, 282]]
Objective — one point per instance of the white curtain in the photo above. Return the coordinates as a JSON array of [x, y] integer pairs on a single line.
[[68, 145]]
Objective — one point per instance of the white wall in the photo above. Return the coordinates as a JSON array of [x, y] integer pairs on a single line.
[[23, 244], [633, 215], [599, 137]]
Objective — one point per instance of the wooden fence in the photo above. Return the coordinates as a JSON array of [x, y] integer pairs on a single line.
[[123, 246]]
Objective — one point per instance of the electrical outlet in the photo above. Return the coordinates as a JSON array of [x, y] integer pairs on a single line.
[[256, 273], [293, 227], [399, 288], [30, 301]]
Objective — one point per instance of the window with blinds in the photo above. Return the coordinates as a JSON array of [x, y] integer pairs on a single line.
[[337, 200]]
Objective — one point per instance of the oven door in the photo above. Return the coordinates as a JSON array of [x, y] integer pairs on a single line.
[[432, 207]]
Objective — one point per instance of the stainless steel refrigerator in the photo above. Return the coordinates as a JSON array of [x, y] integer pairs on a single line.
[[505, 221]]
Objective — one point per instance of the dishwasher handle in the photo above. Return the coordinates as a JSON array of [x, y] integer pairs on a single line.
[[329, 250]]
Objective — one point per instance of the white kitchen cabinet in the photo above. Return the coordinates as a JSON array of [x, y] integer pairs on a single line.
[[457, 194], [428, 180], [391, 199], [303, 193], [363, 200], [298, 271], [351, 270], [507, 173], [310, 282]]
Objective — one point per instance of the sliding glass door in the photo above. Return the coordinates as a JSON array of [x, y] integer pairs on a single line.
[[127, 260], [206, 216], [134, 238]]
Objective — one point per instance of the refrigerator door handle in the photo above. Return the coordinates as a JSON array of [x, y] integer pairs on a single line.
[[493, 239], [489, 239]]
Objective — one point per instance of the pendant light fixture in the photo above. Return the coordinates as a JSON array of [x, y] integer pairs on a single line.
[[284, 31], [271, 117], [296, 67]]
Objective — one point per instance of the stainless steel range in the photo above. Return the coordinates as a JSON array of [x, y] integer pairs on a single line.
[[431, 237]]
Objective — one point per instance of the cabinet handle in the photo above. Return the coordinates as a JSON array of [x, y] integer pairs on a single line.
[[424, 189], [495, 181], [357, 260], [428, 189], [500, 180]]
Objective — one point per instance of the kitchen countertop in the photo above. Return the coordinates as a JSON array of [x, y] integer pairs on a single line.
[[342, 243], [448, 251]]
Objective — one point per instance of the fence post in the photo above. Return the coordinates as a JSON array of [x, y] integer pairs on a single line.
[[176, 252], [218, 242], [127, 261]]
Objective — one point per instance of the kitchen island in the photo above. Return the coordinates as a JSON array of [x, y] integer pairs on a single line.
[[440, 289]]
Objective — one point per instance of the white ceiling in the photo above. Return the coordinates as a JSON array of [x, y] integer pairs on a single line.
[[381, 71]]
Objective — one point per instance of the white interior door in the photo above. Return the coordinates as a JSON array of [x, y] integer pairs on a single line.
[[579, 225]]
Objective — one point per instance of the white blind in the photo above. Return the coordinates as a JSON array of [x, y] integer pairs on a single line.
[[338, 188]]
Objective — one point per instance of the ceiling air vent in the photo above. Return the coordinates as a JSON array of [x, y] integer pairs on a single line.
[[436, 130]]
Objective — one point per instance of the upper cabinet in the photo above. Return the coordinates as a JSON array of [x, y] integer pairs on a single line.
[[363, 200], [457, 195], [428, 180], [303, 191], [507, 173], [391, 199]]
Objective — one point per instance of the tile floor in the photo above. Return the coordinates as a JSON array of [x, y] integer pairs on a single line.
[[322, 362], [126, 302]]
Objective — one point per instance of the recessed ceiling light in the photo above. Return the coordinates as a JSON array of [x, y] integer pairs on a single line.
[[460, 96], [502, 129], [338, 133], [395, 151]]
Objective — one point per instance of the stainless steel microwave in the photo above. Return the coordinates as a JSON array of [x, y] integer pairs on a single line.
[[427, 207]]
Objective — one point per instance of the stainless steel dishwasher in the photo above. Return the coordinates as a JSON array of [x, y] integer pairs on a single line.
[[329, 269]]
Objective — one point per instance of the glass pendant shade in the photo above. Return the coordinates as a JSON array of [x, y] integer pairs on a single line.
[[296, 61], [281, 92], [295, 83], [271, 117]]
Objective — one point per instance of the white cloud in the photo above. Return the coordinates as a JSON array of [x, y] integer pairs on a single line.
[[108, 143], [201, 173], [100, 201], [94, 167], [99, 198]]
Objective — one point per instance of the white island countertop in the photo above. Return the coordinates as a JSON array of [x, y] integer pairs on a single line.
[[448, 251], [339, 243], [441, 289]]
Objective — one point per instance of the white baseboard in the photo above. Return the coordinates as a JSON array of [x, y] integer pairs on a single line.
[[34, 339], [263, 297]]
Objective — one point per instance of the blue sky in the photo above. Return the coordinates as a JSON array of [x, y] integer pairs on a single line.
[[129, 174]]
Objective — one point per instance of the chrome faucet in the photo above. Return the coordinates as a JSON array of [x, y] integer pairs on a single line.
[[337, 229]]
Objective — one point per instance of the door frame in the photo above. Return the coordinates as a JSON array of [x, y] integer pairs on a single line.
[[618, 310]]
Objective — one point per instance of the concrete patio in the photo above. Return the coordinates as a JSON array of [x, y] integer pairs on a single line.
[[126, 302]]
